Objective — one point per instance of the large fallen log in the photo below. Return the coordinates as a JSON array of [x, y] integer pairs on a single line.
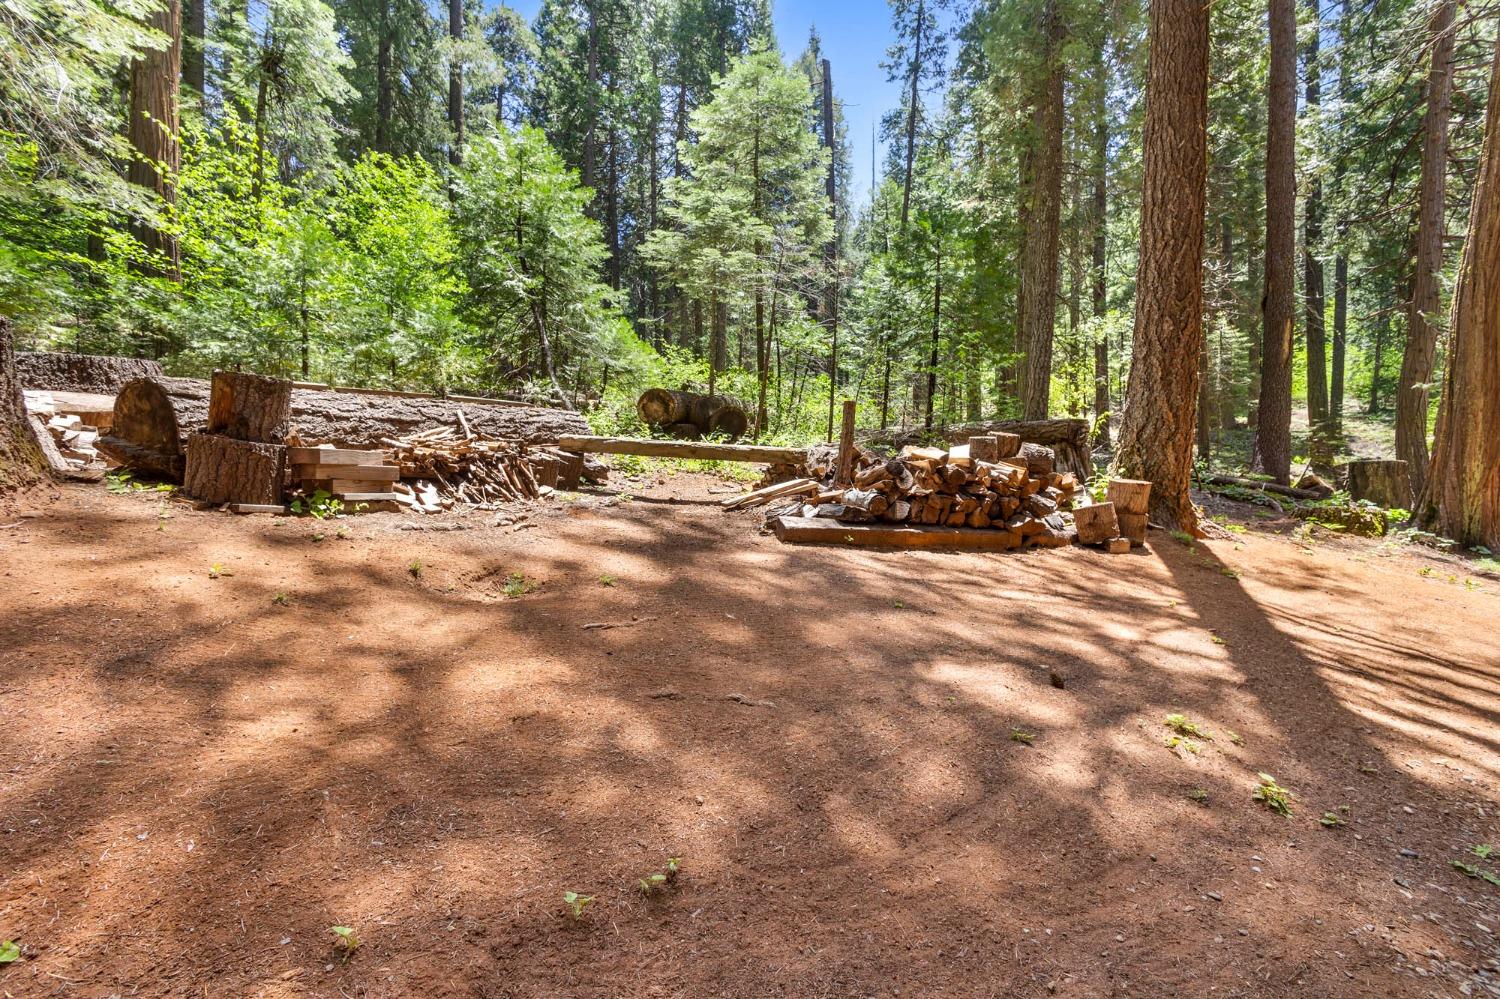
[[1257, 485], [153, 417], [682, 449], [674, 410], [63, 372]]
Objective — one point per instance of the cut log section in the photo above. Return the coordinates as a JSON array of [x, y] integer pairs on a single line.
[[1384, 483], [1132, 526], [249, 407], [677, 411], [1131, 496], [226, 470], [1096, 524]]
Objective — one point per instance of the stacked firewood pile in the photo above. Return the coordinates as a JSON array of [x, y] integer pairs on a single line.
[[994, 482], [443, 467]]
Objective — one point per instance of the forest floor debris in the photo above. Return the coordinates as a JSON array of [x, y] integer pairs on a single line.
[[199, 782]]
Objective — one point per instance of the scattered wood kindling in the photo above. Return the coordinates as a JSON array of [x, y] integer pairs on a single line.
[[446, 468]]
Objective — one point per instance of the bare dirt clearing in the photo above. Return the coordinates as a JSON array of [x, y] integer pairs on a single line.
[[420, 740]]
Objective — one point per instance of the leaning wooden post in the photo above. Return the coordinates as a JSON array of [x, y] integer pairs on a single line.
[[846, 447]]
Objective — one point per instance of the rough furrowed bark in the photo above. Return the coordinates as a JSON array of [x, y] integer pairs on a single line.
[[1273, 440], [1037, 304], [21, 461], [1461, 495], [1422, 336], [1156, 439], [63, 372]]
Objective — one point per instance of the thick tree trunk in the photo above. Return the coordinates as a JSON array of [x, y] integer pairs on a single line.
[[1336, 386], [1461, 497], [21, 461], [385, 87], [1042, 203], [1426, 299], [1273, 438], [1156, 439], [155, 132], [1312, 272]]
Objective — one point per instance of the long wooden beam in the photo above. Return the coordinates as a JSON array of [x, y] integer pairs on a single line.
[[684, 449]]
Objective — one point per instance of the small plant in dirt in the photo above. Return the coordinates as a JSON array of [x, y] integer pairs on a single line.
[[517, 585], [217, 570], [1272, 795], [1482, 851], [1198, 796], [577, 903], [321, 505], [1022, 736], [660, 880], [1175, 742], [1185, 726], [9, 952], [415, 569], [1217, 639], [342, 534], [606, 580], [898, 604], [1333, 820], [1234, 737], [317, 536], [1185, 538], [281, 599], [1478, 873], [345, 940]]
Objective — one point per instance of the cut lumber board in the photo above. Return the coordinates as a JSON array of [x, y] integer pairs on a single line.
[[257, 508], [333, 456], [822, 530], [367, 473], [683, 449], [366, 497], [340, 487], [761, 495]]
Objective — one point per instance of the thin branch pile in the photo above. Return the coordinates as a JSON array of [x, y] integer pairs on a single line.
[[442, 467]]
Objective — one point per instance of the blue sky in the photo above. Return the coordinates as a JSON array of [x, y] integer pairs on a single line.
[[855, 35]]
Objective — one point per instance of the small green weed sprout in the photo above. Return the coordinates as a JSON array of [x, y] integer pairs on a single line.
[[216, 570], [1477, 872], [1333, 820], [1022, 736], [415, 569], [1275, 797], [1482, 851], [9, 951], [1234, 737], [605, 579], [1183, 725], [517, 585], [1198, 796], [281, 599], [347, 941], [578, 903], [321, 505]]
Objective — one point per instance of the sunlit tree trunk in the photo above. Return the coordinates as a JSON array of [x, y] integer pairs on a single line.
[[21, 461], [1461, 497], [1156, 438], [155, 130], [1042, 203], [1312, 272], [1421, 335]]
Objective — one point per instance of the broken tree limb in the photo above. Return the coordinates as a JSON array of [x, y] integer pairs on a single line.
[[1218, 479]]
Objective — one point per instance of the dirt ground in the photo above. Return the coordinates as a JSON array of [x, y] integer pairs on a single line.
[[202, 772]]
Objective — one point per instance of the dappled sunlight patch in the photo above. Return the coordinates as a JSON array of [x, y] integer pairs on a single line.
[[855, 828]]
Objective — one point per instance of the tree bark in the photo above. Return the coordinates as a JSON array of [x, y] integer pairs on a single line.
[[1100, 221], [385, 90], [1273, 439], [1421, 337], [21, 461], [1336, 386], [1042, 207], [1312, 270], [194, 18], [911, 112], [155, 131], [1461, 495], [1156, 438], [456, 83]]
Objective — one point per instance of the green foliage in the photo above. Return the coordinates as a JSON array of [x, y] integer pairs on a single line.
[[518, 585], [9, 952], [1022, 736], [1273, 796], [321, 505], [345, 940], [1183, 725], [1478, 873], [578, 904]]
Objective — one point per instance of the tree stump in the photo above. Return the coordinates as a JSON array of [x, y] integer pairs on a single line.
[[249, 407], [225, 470], [1384, 483], [1096, 524], [1131, 496], [1132, 526]]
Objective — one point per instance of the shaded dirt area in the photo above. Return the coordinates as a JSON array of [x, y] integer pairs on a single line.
[[197, 779]]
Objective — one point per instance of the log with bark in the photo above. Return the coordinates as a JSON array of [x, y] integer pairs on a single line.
[[64, 372], [1384, 483], [220, 469], [675, 412], [249, 407], [153, 417], [1068, 439]]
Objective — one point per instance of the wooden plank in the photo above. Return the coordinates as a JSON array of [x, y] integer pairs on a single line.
[[341, 486], [768, 493], [365, 497], [256, 508], [333, 456], [822, 530], [369, 473], [684, 449]]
